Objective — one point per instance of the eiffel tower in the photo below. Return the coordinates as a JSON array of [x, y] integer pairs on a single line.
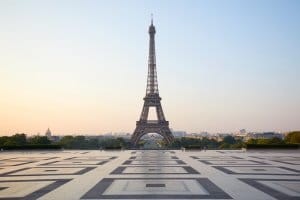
[[152, 99]]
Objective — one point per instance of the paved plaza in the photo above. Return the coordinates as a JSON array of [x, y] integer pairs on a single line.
[[70, 175]]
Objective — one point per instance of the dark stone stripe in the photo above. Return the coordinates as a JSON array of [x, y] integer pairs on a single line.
[[228, 171], [11, 173], [118, 170], [254, 162], [155, 185], [57, 163], [287, 162], [188, 169]]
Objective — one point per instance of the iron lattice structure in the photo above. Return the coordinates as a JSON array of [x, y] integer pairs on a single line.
[[152, 99]]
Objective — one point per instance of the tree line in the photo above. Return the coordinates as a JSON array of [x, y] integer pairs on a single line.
[[229, 142], [82, 142], [22, 139], [67, 142]]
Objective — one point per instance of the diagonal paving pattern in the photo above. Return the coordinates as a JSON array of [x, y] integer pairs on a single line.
[[150, 174]]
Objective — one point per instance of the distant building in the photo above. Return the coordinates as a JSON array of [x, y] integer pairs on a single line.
[[179, 134], [51, 137], [48, 134], [264, 135], [122, 135], [55, 138], [222, 135], [215, 137], [203, 134], [108, 135]]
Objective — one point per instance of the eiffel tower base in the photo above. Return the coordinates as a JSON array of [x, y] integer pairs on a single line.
[[145, 127]]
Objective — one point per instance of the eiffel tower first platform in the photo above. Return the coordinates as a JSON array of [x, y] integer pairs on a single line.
[[152, 99]]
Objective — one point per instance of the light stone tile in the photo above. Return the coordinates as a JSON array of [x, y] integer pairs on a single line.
[[232, 162], [150, 170], [154, 162], [21, 189], [47, 170], [138, 187], [260, 170], [291, 188], [76, 162]]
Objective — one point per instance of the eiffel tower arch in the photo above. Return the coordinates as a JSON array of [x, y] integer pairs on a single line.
[[152, 99]]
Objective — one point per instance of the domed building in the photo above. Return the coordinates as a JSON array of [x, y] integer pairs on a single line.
[[48, 134]]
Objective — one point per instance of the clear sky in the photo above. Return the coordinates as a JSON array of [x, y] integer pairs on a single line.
[[81, 66]]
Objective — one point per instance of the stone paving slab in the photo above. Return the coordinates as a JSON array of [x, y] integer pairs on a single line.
[[71, 175]]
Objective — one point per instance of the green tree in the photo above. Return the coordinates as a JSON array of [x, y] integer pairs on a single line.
[[224, 146], [276, 140], [3, 140], [66, 141], [93, 143], [194, 142], [79, 142], [39, 140], [210, 143], [264, 141], [252, 141], [17, 139], [229, 139], [293, 137], [176, 143], [116, 143], [238, 145]]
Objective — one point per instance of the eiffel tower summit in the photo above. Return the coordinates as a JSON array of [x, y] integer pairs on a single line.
[[152, 99]]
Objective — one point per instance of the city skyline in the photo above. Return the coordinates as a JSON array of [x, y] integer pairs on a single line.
[[81, 68]]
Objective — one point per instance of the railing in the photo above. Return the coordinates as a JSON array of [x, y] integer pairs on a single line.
[[152, 121]]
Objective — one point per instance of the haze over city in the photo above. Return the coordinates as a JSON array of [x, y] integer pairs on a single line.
[[81, 66]]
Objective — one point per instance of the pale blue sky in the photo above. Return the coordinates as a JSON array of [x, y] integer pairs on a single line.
[[81, 66]]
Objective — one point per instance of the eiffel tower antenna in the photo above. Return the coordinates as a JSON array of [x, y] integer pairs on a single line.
[[151, 18], [152, 99]]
